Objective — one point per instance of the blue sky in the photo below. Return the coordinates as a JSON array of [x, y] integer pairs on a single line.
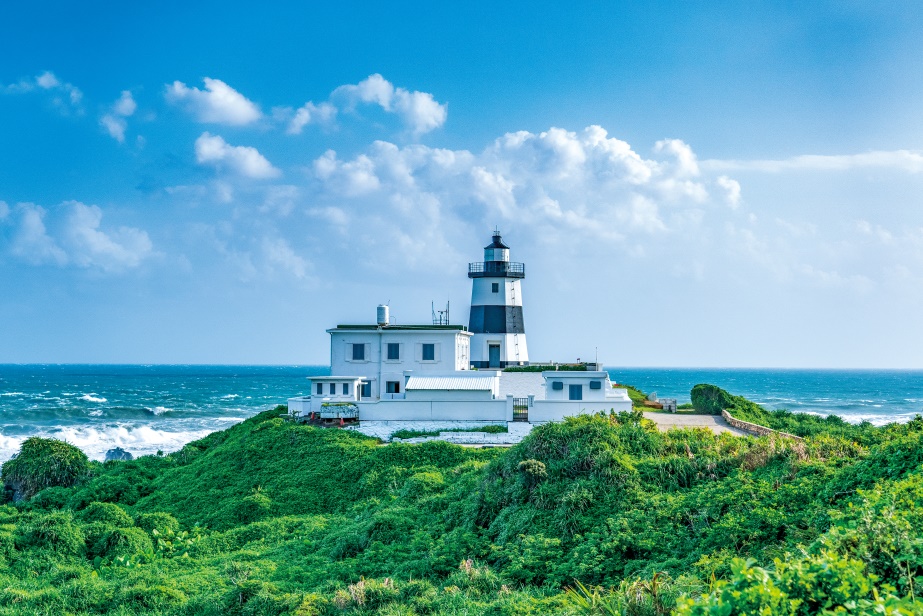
[[689, 184]]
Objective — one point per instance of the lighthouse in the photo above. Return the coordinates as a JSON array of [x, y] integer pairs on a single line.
[[499, 334]]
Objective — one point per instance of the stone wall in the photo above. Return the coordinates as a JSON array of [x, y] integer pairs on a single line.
[[755, 428]]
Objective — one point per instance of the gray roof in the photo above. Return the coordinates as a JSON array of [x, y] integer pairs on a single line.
[[476, 383]]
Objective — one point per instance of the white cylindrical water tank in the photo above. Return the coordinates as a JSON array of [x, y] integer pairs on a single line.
[[383, 317]]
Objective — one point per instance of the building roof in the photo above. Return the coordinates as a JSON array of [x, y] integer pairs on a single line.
[[470, 383], [399, 328]]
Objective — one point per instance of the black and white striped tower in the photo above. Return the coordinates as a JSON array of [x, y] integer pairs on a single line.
[[499, 338]]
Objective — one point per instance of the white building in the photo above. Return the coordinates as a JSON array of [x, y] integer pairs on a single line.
[[390, 377], [381, 353]]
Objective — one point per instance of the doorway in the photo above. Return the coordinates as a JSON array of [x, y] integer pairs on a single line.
[[493, 355]]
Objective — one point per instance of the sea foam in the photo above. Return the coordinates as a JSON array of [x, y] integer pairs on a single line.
[[93, 398]]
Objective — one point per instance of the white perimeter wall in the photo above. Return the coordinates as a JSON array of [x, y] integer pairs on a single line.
[[436, 410], [556, 410]]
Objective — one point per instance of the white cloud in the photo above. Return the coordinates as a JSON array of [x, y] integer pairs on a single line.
[[309, 113], [65, 97], [556, 184], [219, 103], [89, 246], [279, 255], [31, 241], [243, 160], [75, 238], [114, 120], [731, 189], [909, 161], [420, 111]]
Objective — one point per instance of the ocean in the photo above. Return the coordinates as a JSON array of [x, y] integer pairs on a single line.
[[144, 409]]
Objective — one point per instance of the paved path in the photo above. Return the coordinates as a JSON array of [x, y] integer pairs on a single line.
[[715, 423]]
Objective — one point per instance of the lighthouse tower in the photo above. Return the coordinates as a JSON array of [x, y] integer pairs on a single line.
[[499, 338]]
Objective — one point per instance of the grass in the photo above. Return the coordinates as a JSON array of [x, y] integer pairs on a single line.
[[403, 434]]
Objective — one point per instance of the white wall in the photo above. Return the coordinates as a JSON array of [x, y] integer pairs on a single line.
[[542, 411], [451, 353], [450, 395], [434, 410], [509, 292], [567, 378]]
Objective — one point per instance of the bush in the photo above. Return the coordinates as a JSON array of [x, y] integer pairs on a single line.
[[124, 542], [107, 513], [56, 532], [160, 521], [44, 463], [710, 399]]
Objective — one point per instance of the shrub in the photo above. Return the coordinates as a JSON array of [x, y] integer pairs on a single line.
[[124, 542], [44, 463], [710, 399], [107, 513], [160, 521], [56, 532]]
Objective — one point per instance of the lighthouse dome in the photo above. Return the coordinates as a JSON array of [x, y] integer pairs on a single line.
[[497, 250]]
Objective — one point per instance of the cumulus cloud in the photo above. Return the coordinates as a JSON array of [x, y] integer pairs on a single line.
[[279, 255], [114, 120], [554, 184], [71, 234], [420, 111], [65, 97], [218, 103], [309, 113], [731, 189], [243, 160], [909, 161]]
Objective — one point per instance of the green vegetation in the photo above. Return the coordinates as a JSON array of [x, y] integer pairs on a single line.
[[493, 429], [596, 515], [581, 367], [637, 397], [44, 463]]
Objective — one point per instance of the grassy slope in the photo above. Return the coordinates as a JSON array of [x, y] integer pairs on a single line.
[[309, 521]]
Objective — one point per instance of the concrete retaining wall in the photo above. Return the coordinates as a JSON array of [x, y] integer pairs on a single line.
[[755, 428]]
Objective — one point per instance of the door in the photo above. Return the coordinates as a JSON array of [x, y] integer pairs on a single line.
[[493, 356]]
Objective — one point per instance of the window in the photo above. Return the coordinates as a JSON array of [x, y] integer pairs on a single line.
[[393, 387], [394, 351], [495, 287], [358, 352], [575, 392], [345, 389], [596, 384], [333, 389], [320, 389], [557, 385], [429, 351], [366, 391]]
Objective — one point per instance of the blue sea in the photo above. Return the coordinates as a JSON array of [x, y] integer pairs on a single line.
[[148, 408]]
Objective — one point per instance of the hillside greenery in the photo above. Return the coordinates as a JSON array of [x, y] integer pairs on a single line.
[[596, 515]]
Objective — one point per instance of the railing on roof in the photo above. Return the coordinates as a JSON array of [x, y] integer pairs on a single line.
[[490, 269]]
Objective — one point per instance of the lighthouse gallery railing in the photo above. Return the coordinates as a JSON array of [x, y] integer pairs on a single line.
[[508, 269]]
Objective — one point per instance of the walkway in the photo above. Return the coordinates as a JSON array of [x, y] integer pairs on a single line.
[[715, 423]]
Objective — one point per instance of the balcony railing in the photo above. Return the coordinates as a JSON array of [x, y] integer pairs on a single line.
[[499, 269]]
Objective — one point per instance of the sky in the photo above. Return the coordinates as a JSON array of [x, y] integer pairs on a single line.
[[689, 184]]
